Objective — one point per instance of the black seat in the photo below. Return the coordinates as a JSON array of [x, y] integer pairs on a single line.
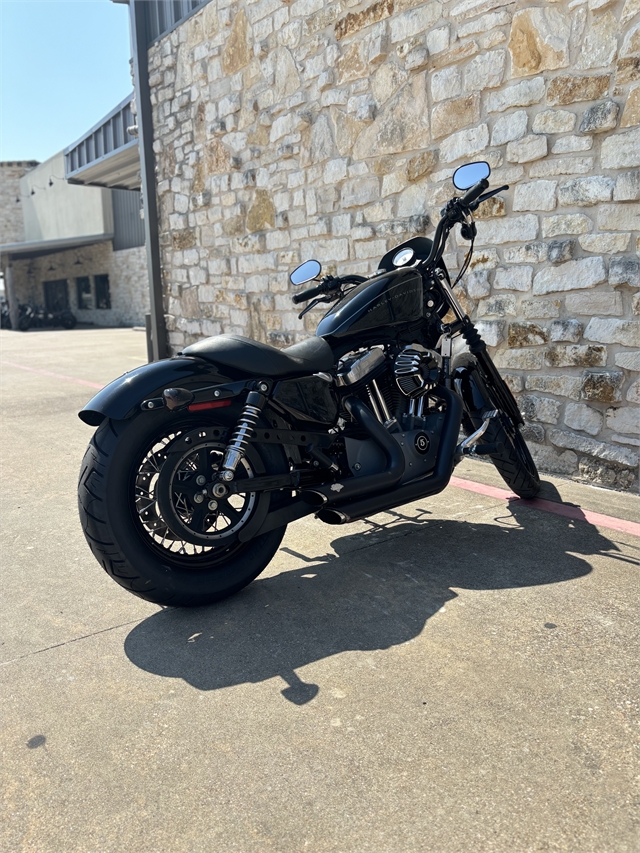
[[248, 356]]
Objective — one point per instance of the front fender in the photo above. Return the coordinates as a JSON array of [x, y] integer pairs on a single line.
[[121, 398], [465, 377]]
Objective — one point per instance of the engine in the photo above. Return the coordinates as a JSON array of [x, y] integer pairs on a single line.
[[417, 370], [393, 387]]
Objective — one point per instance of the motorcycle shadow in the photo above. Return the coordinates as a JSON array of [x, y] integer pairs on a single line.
[[373, 593]]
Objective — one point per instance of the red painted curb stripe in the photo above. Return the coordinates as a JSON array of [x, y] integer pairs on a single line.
[[566, 510], [54, 375]]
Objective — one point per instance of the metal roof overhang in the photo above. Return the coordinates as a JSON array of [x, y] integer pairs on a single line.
[[36, 248], [119, 169]]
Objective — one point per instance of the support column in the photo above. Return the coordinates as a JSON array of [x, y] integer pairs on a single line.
[[14, 311], [147, 172]]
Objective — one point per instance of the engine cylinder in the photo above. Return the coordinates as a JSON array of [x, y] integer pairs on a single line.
[[362, 367]]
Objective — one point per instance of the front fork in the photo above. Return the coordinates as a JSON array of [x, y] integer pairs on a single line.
[[464, 326]]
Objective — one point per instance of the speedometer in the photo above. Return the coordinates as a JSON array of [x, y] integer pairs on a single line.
[[401, 258]]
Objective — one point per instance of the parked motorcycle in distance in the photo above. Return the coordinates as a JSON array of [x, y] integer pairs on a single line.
[[44, 319], [200, 461], [37, 317], [25, 316]]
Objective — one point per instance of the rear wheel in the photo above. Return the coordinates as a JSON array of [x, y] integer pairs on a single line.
[[514, 461], [181, 548]]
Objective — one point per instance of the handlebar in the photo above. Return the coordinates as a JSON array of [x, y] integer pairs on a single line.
[[475, 192], [450, 215], [309, 293]]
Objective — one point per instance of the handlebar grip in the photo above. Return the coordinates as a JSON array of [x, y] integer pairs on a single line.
[[475, 192], [307, 294]]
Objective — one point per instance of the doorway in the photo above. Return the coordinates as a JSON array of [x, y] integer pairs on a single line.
[[56, 295]]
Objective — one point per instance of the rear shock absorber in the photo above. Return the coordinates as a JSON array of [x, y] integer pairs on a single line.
[[242, 435]]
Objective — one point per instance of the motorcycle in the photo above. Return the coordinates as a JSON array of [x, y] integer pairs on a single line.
[[200, 461], [44, 319], [25, 316]]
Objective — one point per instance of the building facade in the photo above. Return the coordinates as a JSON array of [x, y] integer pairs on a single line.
[[11, 217], [75, 247], [99, 285]]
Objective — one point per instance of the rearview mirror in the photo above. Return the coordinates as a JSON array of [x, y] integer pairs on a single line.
[[468, 176], [305, 272]]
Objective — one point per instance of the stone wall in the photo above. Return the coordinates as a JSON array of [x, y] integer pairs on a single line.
[[286, 131], [11, 215], [128, 281]]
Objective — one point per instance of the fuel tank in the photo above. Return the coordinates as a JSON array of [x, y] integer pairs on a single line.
[[391, 299]]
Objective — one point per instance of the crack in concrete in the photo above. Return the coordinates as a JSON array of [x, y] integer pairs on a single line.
[[73, 640]]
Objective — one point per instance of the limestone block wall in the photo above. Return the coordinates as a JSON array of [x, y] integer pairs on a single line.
[[11, 215], [128, 281], [290, 130]]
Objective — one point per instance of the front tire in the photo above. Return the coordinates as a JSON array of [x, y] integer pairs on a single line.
[[514, 461], [128, 535]]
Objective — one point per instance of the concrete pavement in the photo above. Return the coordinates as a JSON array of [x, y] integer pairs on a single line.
[[458, 675]]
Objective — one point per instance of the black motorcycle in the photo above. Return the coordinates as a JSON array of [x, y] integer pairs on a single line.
[[25, 316], [200, 461], [41, 318]]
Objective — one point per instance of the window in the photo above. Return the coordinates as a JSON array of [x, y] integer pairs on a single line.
[[103, 294], [83, 285]]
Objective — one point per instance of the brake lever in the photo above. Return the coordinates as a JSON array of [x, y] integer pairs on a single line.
[[313, 304], [474, 205]]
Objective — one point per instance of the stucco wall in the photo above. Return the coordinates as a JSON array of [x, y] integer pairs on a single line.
[[62, 210], [128, 281], [331, 130]]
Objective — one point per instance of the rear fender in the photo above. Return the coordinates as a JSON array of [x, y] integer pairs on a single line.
[[121, 398]]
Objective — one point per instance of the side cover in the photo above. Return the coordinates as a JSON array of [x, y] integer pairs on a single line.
[[121, 398]]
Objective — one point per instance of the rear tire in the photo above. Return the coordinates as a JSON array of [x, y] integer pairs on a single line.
[[108, 498], [514, 462]]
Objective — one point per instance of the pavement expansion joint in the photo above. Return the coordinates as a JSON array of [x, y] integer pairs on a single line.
[[72, 640]]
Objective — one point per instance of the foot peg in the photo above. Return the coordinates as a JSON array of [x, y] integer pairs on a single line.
[[486, 449], [468, 446]]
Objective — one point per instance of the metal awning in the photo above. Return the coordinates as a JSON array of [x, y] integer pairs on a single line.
[[163, 16], [119, 170], [107, 155], [36, 248]]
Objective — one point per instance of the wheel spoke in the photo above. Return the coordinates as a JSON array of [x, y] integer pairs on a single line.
[[144, 501], [198, 518], [152, 464], [187, 487], [204, 462], [231, 512]]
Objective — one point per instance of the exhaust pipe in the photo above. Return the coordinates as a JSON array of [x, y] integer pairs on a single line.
[[345, 512], [333, 516], [355, 486]]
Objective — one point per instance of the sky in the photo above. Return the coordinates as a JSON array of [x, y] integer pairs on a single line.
[[64, 64]]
